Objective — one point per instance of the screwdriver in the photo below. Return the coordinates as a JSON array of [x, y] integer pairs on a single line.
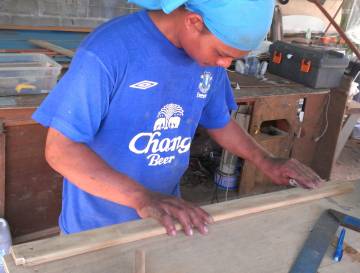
[[339, 247]]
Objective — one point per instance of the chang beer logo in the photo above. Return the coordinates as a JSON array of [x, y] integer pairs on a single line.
[[169, 117], [153, 145], [204, 85]]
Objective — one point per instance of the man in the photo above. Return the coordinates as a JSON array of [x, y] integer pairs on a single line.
[[122, 119]]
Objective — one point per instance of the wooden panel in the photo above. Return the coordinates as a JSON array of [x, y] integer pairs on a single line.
[[267, 242], [312, 126], [327, 144], [65, 246], [33, 195], [33, 189], [37, 235], [268, 109]]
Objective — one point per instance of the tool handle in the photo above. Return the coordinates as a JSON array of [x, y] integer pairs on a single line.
[[339, 247], [351, 222]]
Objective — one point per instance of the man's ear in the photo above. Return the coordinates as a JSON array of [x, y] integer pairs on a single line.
[[194, 23]]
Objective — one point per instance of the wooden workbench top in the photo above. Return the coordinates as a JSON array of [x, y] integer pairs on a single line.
[[248, 88], [266, 242]]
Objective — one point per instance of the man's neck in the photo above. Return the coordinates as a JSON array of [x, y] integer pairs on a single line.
[[168, 24]]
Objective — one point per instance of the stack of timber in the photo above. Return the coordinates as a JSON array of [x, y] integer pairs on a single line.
[[261, 234]]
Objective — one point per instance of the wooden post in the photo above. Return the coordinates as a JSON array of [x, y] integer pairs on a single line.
[[140, 261], [326, 147], [2, 170]]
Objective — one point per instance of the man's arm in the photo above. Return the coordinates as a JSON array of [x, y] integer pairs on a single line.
[[234, 139], [89, 172]]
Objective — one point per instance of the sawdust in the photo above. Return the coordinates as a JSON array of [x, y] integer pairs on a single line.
[[352, 252], [349, 250]]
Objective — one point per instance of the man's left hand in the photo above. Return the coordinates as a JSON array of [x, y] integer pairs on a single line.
[[281, 171]]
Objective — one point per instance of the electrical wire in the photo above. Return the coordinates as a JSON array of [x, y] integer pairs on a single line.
[[326, 120]]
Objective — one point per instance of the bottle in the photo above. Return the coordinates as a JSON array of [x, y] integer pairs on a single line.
[[308, 34], [5, 241]]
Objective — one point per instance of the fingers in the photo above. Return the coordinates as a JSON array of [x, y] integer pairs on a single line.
[[189, 216], [167, 209], [303, 175], [167, 221], [161, 216]]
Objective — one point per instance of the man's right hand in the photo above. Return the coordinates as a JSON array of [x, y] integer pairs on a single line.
[[166, 209]]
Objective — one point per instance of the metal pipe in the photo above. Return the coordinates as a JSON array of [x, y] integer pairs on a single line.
[[337, 27]]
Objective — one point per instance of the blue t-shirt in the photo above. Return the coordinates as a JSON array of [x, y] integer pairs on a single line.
[[135, 100]]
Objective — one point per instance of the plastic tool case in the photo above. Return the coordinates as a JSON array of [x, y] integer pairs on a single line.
[[312, 66]]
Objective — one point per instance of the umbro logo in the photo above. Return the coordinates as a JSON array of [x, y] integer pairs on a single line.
[[143, 85]]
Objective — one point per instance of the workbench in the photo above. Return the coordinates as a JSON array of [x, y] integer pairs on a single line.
[[307, 123], [258, 234]]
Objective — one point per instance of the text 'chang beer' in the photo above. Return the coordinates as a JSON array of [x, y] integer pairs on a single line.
[[153, 144]]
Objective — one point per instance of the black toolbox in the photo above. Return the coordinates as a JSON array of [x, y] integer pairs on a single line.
[[316, 67]]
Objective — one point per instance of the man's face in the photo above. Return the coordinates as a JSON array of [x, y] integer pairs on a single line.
[[207, 50]]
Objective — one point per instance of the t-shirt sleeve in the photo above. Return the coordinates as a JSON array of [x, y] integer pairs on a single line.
[[216, 113], [80, 101]]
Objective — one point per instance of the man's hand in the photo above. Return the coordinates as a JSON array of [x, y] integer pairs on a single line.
[[280, 171], [236, 140], [166, 209]]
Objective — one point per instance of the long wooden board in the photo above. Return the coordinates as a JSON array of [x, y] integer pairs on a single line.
[[61, 247], [53, 47], [266, 242]]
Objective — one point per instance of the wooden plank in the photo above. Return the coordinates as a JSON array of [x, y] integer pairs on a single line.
[[266, 242], [252, 88], [2, 169], [53, 47], [47, 250], [51, 28], [250, 94]]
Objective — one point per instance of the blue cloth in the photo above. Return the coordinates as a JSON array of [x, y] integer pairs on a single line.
[[242, 24], [135, 100]]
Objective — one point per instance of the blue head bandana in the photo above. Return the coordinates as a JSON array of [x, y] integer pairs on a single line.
[[241, 24]]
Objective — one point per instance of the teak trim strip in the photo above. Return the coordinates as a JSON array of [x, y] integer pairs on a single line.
[[47, 250]]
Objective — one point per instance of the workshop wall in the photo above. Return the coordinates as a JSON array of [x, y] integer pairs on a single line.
[[79, 13]]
